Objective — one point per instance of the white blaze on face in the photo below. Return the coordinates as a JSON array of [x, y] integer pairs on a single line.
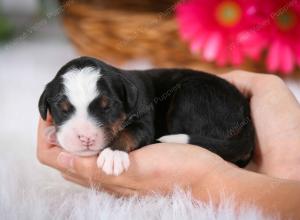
[[81, 134]]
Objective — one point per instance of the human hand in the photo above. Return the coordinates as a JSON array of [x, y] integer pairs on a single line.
[[160, 167], [151, 171], [276, 115], [157, 167]]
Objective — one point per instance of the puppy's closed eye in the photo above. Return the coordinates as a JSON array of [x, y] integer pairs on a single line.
[[104, 102], [64, 106]]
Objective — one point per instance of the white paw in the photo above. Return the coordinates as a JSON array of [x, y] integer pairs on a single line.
[[113, 162]]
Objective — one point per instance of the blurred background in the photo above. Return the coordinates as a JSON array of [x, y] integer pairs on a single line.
[[32, 49], [38, 36]]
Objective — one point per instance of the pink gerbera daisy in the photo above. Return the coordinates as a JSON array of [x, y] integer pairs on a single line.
[[282, 34], [216, 29]]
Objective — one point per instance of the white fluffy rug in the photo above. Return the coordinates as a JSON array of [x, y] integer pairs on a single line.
[[34, 192], [29, 191]]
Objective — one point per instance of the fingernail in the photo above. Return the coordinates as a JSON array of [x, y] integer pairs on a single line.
[[65, 160]]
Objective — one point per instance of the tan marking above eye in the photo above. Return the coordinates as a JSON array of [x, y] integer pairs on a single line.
[[65, 105], [104, 102]]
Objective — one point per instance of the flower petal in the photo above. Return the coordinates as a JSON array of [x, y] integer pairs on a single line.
[[190, 31], [198, 43], [287, 59], [212, 46], [272, 61], [222, 56], [236, 56], [254, 51], [297, 54]]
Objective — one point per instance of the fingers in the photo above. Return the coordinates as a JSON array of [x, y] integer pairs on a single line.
[[250, 84], [42, 128], [76, 180], [86, 168], [243, 80], [115, 190], [47, 153]]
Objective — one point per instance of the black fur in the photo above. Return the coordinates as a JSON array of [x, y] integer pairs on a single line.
[[159, 102]]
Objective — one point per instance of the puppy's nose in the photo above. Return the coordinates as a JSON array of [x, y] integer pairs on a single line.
[[87, 140]]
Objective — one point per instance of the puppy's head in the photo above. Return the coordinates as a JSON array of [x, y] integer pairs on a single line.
[[89, 102]]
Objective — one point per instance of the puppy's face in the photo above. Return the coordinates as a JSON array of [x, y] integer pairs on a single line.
[[88, 106]]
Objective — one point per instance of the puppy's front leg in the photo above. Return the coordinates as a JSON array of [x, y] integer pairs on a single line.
[[114, 159]]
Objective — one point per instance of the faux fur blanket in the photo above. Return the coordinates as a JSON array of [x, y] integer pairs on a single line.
[[30, 191]]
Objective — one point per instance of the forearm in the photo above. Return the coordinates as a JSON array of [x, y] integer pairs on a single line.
[[272, 195]]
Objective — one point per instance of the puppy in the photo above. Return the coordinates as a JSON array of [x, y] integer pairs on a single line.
[[100, 109]]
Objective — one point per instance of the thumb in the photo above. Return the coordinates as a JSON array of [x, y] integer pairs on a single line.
[[242, 80], [66, 161], [86, 167]]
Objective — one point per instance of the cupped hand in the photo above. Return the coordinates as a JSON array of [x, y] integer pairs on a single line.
[[157, 167], [276, 115]]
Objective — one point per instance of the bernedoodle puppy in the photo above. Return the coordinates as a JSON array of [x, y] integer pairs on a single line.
[[99, 109]]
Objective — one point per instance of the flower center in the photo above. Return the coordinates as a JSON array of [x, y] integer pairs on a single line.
[[228, 13], [286, 20]]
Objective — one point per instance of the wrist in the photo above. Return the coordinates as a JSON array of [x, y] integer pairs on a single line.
[[273, 196], [280, 163], [284, 168], [216, 180]]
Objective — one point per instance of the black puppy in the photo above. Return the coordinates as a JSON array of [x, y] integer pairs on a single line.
[[97, 108]]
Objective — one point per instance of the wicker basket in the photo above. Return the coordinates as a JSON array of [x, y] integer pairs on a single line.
[[121, 30]]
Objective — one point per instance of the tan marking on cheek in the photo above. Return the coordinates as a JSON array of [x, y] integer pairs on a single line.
[[126, 141], [121, 139], [117, 126]]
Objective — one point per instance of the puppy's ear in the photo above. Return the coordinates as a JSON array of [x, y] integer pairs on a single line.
[[43, 103], [130, 93]]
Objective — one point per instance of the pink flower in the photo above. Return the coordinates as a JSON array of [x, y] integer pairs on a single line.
[[282, 34], [219, 30]]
